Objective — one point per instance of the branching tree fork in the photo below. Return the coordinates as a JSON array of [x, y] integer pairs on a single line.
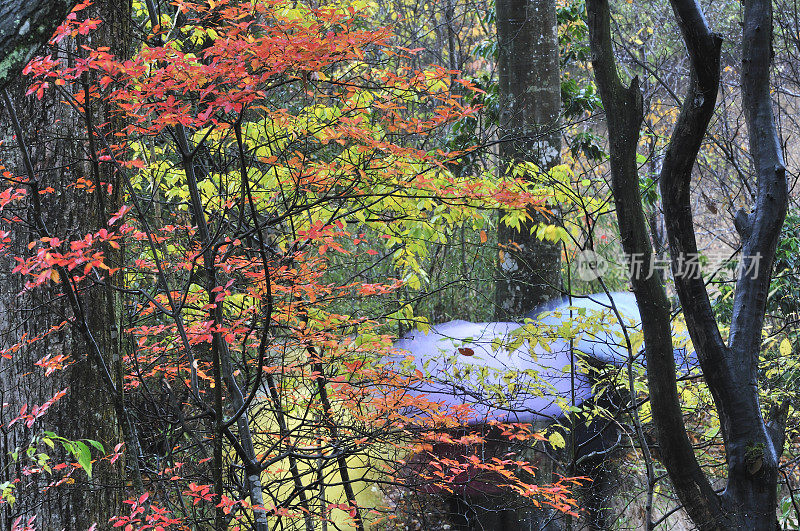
[[752, 444]]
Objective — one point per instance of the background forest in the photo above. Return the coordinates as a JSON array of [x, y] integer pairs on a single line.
[[228, 228]]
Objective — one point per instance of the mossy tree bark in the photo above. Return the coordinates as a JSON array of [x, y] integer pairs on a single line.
[[530, 105]]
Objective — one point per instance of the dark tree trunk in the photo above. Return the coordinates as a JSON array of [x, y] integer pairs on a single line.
[[753, 446], [57, 143], [749, 500], [530, 103]]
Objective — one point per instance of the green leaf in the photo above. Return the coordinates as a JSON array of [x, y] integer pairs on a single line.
[[97, 445], [84, 456]]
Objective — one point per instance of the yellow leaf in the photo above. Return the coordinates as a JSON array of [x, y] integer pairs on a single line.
[[557, 440], [785, 348]]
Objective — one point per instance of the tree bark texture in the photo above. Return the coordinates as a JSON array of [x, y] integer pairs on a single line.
[[530, 103], [26, 25], [529, 268], [60, 152]]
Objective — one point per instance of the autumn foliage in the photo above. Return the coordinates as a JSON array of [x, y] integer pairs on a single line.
[[268, 155]]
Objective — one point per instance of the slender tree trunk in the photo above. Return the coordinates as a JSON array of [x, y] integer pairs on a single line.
[[530, 103], [730, 370]]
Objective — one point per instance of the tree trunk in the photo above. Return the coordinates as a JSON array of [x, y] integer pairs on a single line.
[[60, 152], [25, 25], [529, 268], [530, 103], [731, 371]]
